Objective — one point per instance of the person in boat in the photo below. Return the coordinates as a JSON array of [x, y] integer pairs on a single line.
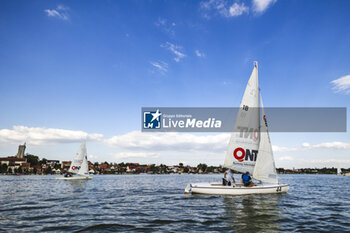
[[228, 179], [247, 180]]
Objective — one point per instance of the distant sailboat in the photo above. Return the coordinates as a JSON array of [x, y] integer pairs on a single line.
[[249, 150], [79, 166], [339, 173]]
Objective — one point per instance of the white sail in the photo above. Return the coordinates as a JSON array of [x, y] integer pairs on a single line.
[[243, 146], [84, 169], [78, 159], [265, 169], [339, 171]]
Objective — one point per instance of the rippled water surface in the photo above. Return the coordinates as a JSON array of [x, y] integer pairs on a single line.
[[315, 203]]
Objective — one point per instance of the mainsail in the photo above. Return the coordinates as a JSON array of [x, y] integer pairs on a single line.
[[78, 159], [265, 169], [242, 150]]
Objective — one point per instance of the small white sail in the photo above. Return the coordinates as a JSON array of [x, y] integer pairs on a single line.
[[265, 169], [339, 171], [84, 169], [243, 146], [78, 159]]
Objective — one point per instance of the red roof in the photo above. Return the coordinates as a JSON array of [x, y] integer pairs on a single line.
[[13, 159]]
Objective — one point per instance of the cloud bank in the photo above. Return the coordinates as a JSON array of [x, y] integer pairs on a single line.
[[40, 136], [138, 141]]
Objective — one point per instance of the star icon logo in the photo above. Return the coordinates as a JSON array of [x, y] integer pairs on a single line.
[[156, 115], [152, 119]]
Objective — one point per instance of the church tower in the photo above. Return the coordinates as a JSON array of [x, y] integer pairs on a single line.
[[21, 149]]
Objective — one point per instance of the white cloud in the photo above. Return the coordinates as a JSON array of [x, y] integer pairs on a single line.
[[160, 66], [283, 148], [223, 8], [307, 146], [285, 158], [327, 162], [328, 145], [259, 6], [175, 49], [60, 12], [342, 84], [199, 54], [123, 155], [137, 140], [238, 9], [39, 136], [92, 157]]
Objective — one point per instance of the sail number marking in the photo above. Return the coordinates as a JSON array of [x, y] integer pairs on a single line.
[[245, 107]]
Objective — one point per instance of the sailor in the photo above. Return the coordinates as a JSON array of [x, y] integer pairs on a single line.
[[247, 180], [228, 178]]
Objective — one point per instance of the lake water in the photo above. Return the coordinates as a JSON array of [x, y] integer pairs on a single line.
[[107, 203]]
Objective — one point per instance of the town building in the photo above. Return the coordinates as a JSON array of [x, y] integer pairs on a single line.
[[16, 162]]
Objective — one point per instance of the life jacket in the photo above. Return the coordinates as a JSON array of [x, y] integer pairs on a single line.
[[245, 179]]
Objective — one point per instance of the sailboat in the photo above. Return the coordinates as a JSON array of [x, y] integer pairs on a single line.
[[339, 173], [79, 166], [249, 149]]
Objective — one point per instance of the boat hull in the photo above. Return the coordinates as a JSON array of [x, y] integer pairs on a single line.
[[75, 178], [239, 189]]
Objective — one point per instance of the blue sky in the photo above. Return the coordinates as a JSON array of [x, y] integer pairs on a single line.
[[69, 69]]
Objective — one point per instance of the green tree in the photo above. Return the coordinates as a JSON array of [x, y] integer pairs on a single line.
[[210, 169], [163, 168], [43, 161], [181, 165], [202, 166], [48, 170], [3, 168], [32, 159]]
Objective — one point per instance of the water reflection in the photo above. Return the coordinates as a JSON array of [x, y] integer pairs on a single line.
[[253, 213]]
